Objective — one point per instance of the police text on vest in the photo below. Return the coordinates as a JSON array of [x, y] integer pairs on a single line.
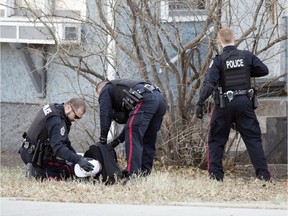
[[234, 63]]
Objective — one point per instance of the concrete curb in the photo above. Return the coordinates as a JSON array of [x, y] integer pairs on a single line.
[[14, 206]]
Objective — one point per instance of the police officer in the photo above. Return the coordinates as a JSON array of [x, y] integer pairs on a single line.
[[48, 141], [229, 77], [143, 107]]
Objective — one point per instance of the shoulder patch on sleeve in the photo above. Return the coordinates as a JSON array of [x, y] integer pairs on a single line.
[[62, 131], [211, 63]]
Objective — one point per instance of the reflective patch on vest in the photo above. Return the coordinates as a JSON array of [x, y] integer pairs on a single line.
[[236, 63], [62, 131], [211, 63], [47, 109]]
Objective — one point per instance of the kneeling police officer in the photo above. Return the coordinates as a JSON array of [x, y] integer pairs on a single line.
[[46, 148]]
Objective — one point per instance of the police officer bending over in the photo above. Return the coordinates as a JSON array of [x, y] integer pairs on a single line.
[[142, 107], [46, 145], [229, 77]]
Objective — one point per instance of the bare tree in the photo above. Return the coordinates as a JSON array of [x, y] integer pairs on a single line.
[[173, 55]]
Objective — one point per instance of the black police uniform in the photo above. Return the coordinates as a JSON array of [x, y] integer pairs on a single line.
[[143, 120], [51, 128], [232, 71]]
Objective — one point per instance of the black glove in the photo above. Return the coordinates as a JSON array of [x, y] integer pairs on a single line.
[[199, 111], [114, 143], [85, 164]]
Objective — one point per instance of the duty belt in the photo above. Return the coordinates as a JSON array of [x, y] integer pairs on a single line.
[[133, 97], [230, 94], [147, 88]]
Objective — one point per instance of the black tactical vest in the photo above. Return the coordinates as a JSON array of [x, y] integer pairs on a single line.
[[119, 86], [235, 73], [38, 130]]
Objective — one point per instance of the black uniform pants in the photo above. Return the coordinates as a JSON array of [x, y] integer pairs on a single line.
[[141, 132], [58, 170], [241, 112]]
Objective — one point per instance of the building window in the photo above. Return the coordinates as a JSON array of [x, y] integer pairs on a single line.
[[41, 8], [183, 10]]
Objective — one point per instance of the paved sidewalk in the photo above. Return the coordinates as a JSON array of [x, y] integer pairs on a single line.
[[14, 207]]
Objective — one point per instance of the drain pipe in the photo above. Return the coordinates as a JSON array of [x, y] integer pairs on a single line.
[[111, 43], [285, 67]]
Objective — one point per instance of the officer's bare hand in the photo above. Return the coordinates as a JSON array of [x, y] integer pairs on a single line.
[[85, 164], [199, 111]]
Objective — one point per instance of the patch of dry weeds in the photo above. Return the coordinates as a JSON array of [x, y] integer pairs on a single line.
[[181, 185]]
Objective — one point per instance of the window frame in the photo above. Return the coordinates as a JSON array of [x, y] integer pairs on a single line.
[[195, 15]]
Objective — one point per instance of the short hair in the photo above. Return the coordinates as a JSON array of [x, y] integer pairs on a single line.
[[226, 35], [77, 103], [100, 85]]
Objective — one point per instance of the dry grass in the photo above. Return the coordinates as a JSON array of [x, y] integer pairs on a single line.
[[162, 187]]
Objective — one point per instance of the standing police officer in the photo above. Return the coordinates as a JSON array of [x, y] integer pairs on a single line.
[[46, 144], [142, 106], [229, 77]]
